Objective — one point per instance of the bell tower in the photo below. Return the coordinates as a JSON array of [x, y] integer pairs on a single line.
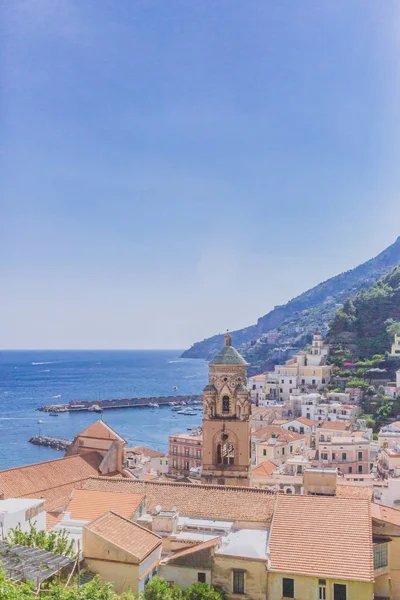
[[227, 420]]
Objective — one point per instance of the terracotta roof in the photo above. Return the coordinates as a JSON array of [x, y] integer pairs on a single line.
[[260, 376], [354, 491], [193, 550], [279, 422], [305, 421], [266, 468], [386, 514], [149, 477], [89, 504], [334, 425], [52, 480], [280, 434], [52, 519], [145, 451], [203, 501], [125, 534], [322, 537]]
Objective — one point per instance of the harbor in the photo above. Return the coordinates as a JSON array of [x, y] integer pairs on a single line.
[[117, 403], [50, 442]]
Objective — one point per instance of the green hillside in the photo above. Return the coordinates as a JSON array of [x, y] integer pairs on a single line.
[[367, 323]]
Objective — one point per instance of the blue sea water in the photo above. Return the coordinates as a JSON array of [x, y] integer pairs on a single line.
[[29, 379]]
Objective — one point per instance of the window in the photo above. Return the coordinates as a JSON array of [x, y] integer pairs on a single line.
[[344, 455], [303, 381], [350, 469], [322, 589], [287, 588], [264, 452], [291, 449], [201, 577], [225, 404], [283, 451], [175, 449], [186, 467], [198, 454], [281, 390], [290, 381], [174, 463], [313, 381], [339, 591], [282, 381], [186, 451], [254, 387], [360, 455], [360, 469], [324, 455], [380, 556], [301, 429], [238, 582]]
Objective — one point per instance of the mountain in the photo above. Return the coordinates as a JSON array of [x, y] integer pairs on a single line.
[[290, 324], [366, 324]]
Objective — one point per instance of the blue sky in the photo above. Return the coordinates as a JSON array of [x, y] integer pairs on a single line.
[[171, 169]]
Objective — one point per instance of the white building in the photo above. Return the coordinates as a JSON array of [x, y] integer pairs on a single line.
[[300, 425], [21, 512]]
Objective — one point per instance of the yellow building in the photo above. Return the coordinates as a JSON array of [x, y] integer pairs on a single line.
[[276, 444], [121, 552], [322, 548], [227, 420], [396, 346], [386, 522]]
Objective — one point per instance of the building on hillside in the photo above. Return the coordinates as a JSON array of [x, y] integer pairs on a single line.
[[322, 547], [389, 435], [389, 462], [227, 420], [191, 565], [287, 478], [262, 416], [334, 411], [387, 492], [348, 454], [300, 425], [121, 552], [185, 452], [276, 444], [257, 388], [142, 461], [396, 346], [326, 430]]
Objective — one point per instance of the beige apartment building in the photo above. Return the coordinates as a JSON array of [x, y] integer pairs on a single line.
[[185, 452], [276, 444]]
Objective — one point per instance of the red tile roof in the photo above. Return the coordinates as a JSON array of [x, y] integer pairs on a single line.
[[90, 504], [121, 532], [52, 480], [264, 469], [322, 537], [386, 514]]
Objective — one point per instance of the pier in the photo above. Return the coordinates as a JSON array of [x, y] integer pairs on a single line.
[[114, 403], [49, 442]]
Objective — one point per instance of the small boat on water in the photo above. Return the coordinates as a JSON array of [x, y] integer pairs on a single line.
[[39, 422], [154, 405], [95, 408], [186, 411], [53, 413]]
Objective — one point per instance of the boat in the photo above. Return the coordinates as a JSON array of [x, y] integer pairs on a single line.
[[53, 413], [39, 422], [175, 388], [186, 411], [176, 408], [154, 405], [95, 408]]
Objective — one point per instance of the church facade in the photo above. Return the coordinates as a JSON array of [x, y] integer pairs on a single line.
[[227, 420]]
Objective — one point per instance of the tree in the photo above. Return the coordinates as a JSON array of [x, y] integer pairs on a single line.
[[202, 591], [52, 541]]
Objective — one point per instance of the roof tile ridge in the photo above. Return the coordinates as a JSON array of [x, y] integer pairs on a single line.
[[223, 488]]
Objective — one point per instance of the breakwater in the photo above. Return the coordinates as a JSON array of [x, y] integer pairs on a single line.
[[114, 403], [49, 442]]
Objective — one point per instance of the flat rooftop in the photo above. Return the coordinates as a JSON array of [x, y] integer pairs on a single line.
[[12, 505], [251, 543]]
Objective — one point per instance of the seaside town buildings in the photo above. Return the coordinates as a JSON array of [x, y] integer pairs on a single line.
[[296, 507]]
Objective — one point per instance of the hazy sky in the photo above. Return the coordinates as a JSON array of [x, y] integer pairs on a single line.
[[173, 168]]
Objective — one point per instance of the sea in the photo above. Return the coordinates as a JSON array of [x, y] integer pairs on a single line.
[[30, 379]]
